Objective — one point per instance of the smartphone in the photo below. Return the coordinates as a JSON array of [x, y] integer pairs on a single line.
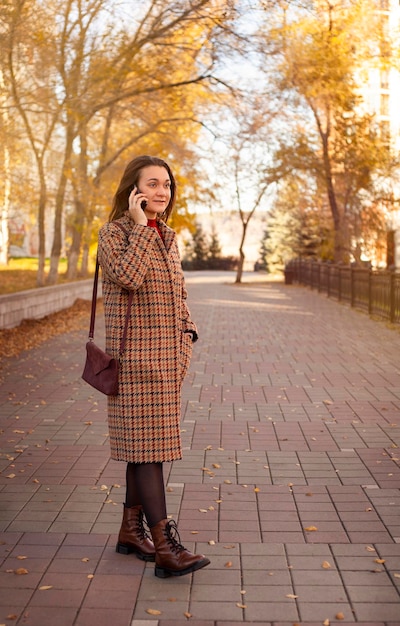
[[143, 204]]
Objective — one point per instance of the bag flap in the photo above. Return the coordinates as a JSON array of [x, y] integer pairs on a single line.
[[99, 359]]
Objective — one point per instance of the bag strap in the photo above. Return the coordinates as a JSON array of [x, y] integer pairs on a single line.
[[94, 303], [94, 300]]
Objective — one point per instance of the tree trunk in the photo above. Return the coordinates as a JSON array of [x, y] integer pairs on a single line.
[[239, 272], [4, 232], [339, 219], [57, 234], [40, 278], [74, 251], [84, 269]]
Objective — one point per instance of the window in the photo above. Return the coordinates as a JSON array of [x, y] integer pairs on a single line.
[[385, 104], [385, 78]]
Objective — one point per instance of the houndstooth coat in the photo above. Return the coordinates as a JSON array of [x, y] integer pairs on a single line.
[[144, 418]]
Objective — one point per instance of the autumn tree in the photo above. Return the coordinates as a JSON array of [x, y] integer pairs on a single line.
[[101, 83], [298, 224], [243, 174], [320, 53]]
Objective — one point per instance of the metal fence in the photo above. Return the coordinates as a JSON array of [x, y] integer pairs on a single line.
[[375, 292]]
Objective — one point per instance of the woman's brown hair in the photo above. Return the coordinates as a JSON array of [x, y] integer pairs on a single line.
[[130, 179]]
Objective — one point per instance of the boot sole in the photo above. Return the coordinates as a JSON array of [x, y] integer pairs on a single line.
[[122, 548], [161, 572]]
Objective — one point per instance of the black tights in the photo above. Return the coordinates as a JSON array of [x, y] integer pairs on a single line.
[[145, 486]]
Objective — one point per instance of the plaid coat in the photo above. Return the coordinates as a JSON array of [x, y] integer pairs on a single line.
[[144, 418]]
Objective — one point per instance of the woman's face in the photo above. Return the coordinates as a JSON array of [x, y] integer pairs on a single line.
[[155, 185]]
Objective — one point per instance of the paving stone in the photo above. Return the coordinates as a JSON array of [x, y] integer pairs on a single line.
[[291, 429]]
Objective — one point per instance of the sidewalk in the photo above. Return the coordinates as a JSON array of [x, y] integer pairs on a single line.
[[290, 480]]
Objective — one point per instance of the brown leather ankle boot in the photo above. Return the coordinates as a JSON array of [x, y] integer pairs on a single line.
[[133, 536], [172, 559]]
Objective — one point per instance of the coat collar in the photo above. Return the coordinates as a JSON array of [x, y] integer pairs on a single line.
[[167, 232]]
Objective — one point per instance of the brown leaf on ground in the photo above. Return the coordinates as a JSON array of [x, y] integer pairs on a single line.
[[31, 333], [153, 611]]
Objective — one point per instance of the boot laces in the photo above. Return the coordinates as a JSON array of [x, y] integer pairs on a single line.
[[173, 538], [141, 528]]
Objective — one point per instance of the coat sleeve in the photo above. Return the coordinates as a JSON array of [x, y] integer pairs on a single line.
[[188, 324], [125, 260]]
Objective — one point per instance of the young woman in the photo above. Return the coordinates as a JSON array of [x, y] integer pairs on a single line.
[[144, 418]]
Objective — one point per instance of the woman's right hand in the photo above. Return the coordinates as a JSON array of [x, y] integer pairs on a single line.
[[135, 210]]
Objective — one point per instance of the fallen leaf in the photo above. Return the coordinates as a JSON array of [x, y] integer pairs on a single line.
[[291, 596], [326, 622], [85, 560], [21, 558], [211, 542], [228, 564], [153, 611], [11, 476], [339, 616], [45, 587], [21, 571], [326, 565], [256, 489], [370, 549], [90, 576], [311, 528], [216, 465], [241, 606], [380, 561], [187, 615], [203, 510]]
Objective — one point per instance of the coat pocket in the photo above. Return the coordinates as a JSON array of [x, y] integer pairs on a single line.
[[186, 353]]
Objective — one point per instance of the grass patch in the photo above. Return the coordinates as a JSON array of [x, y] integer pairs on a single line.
[[21, 274]]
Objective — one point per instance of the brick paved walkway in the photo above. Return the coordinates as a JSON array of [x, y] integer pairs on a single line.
[[290, 480]]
